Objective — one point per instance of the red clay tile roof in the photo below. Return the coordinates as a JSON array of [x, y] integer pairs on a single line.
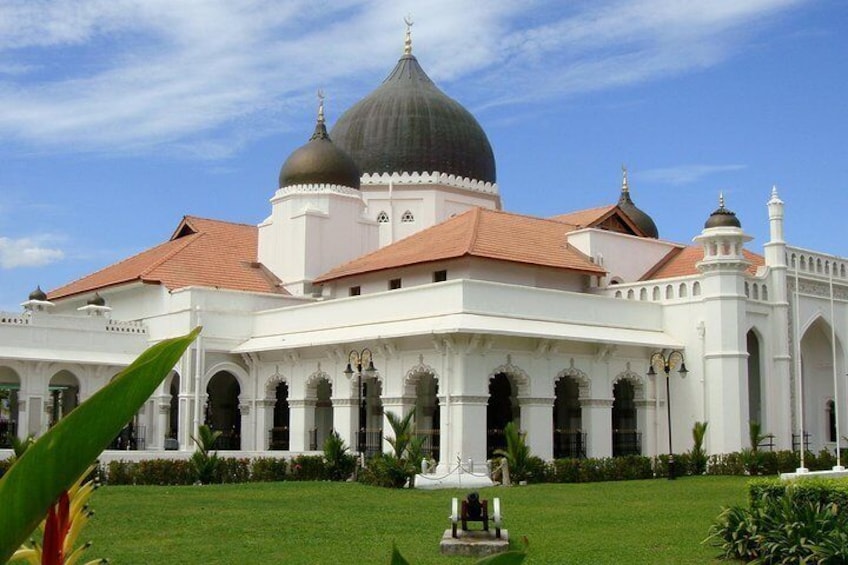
[[597, 217], [479, 233], [201, 252], [680, 262], [584, 218]]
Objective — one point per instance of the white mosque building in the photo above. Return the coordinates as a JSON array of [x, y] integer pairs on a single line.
[[387, 277]]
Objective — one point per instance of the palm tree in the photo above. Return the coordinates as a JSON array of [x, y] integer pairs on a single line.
[[517, 452]]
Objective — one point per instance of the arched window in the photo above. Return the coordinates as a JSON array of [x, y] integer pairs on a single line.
[[382, 218], [656, 293], [630, 294], [696, 289], [755, 292], [765, 292], [618, 294], [407, 218], [681, 292], [669, 292], [643, 294], [747, 290]]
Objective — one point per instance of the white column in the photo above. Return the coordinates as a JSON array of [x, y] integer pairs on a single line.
[[597, 418], [302, 418], [163, 418], [537, 420], [248, 439], [345, 421], [468, 433], [264, 419], [646, 422]]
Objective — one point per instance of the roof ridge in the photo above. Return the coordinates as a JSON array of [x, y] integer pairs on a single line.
[[184, 242], [475, 224], [668, 258]]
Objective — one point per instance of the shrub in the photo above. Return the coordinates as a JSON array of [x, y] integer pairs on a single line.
[[121, 472], [339, 463], [204, 460], [163, 472], [565, 470], [698, 456], [265, 469], [232, 470], [796, 522], [725, 464], [384, 470], [537, 471], [308, 468]]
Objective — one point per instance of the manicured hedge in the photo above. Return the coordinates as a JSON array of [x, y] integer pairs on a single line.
[[180, 472]]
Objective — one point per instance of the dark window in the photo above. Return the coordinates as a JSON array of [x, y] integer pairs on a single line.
[[440, 276], [354, 291], [394, 284], [383, 218]]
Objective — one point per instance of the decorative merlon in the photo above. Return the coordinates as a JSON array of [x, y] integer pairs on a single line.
[[316, 189], [369, 179]]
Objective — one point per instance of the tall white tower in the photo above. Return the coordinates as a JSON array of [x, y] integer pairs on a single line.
[[725, 346]]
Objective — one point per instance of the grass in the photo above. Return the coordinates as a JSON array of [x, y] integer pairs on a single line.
[[630, 522]]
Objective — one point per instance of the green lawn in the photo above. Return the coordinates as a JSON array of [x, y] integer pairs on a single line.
[[629, 522]]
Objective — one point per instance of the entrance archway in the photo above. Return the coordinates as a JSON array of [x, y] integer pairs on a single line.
[[626, 438], [569, 438], [502, 409], [64, 395], [222, 409]]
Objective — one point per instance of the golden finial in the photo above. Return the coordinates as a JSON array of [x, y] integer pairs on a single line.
[[320, 106], [407, 41], [625, 188]]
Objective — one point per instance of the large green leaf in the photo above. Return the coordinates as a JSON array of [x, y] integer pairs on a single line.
[[61, 456]]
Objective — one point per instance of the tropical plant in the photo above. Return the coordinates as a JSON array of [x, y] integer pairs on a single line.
[[43, 476], [517, 452], [204, 461], [407, 447], [60, 530], [339, 463], [698, 456]]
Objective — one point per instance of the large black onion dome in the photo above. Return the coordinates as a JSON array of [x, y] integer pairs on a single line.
[[409, 125], [641, 219], [722, 217], [38, 294], [320, 161]]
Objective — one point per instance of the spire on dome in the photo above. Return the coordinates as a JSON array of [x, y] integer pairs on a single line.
[[625, 189], [407, 40], [320, 126], [722, 217], [640, 218]]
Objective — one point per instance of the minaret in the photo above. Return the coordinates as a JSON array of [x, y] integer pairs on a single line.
[[725, 340], [779, 388]]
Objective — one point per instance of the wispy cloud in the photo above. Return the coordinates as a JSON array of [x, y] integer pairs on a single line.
[[28, 252], [683, 174], [204, 77]]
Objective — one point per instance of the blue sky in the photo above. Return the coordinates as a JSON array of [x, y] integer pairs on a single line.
[[118, 117]]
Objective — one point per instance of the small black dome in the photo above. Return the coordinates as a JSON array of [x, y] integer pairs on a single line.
[[640, 218], [96, 300], [409, 125], [38, 294], [722, 217], [320, 161]]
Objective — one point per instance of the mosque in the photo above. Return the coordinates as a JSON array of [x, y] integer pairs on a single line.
[[388, 278]]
